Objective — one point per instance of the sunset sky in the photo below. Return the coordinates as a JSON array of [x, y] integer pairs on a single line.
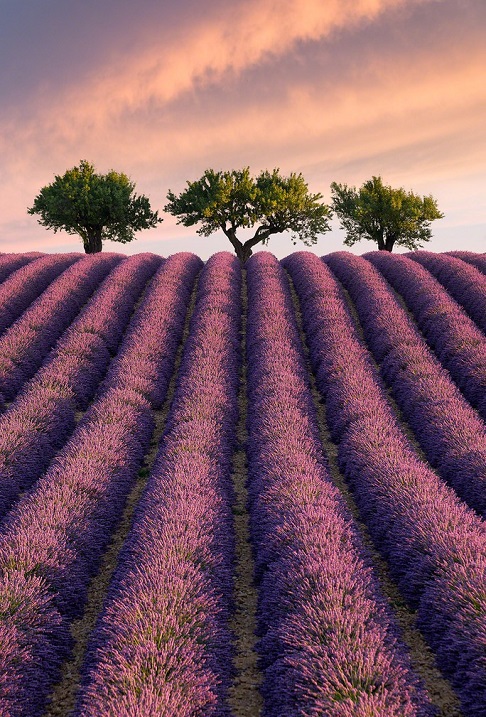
[[339, 90]]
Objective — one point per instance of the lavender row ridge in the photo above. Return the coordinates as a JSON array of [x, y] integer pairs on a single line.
[[27, 283], [328, 642], [25, 276], [434, 544], [22, 278], [51, 543], [162, 645], [9, 263], [470, 257], [458, 343], [27, 342], [146, 356], [87, 346], [38, 423], [465, 283], [449, 431]]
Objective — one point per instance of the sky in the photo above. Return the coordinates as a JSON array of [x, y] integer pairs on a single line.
[[338, 90]]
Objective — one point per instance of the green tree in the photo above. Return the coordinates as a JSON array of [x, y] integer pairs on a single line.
[[384, 215], [234, 200], [95, 206]]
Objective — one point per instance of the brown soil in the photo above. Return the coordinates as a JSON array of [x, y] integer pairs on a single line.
[[422, 658], [245, 699]]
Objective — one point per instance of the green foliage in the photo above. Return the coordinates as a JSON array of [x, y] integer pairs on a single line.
[[95, 206], [234, 200], [384, 215]]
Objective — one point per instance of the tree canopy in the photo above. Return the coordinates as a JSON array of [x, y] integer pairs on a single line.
[[384, 215], [95, 206], [234, 200]]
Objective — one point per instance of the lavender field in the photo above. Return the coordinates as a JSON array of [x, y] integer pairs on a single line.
[[229, 492]]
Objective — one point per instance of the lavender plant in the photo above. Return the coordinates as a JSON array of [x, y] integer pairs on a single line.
[[464, 282], [27, 282], [435, 545], [162, 645], [40, 420], [328, 642], [25, 345], [458, 343], [449, 431], [477, 260], [51, 543], [9, 263]]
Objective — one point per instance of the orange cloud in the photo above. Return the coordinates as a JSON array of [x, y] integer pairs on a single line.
[[239, 36]]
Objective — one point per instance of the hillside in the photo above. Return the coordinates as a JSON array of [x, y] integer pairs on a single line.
[[231, 492]]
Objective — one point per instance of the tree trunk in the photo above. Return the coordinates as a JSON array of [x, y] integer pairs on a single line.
[[386, 244], [243, 252], [93, 243]]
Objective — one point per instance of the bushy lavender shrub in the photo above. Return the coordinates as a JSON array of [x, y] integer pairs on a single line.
[[85, 349], [450, 432], [458, 343], [477, 260], [28, 282], [26, 343], [146, 357], [11, 262], [42, 417], [435, 545], [464, 282], [328, 643], [163, 644], [51, 542]]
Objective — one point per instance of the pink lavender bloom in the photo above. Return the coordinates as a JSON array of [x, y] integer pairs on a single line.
[[146, 356], [26, 343], [25, 284], [458, 343], [464, 282], [477, 260], [163, 642], [57, 532], [328, 643], [9, 263], [42, 418], [450, 432], [430, 539]]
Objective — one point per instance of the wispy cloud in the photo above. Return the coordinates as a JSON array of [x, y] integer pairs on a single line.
[[230, 38]]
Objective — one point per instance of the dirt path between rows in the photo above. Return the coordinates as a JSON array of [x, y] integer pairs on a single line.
[[245, 699]]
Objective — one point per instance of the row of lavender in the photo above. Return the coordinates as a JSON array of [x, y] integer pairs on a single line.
[[328, 642], [26, 343], [9, 263], [164, 627], [449, 430], [162, 645], [476, 260], [459, 344], [460, 279], [52, 540], [38, 423], [27, 279], [434, 544]]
